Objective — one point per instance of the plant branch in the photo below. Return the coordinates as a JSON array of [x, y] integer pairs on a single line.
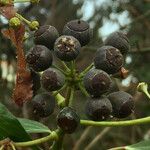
[[145, 120], [60, 100], [83, 136], [52, 136], [97, 138], [59, 69], [118, 148]]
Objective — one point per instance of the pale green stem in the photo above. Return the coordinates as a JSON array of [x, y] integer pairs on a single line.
[[57, 92], [21, 1], [147, 94], [59, 69], [145, 120], [23, 19], [12, 146], [83, 90], [86, 70], [2, 147], [52, 136], [65, 66], [118, 148], [71, 96], [60, 99]]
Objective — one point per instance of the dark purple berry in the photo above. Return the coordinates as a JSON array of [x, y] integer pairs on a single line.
[[36, 81], [96, 82], [43, 104], [122, 102], [113, 86], [98, 109], [118, 40], [39, 58], [68, 120], [67, 48], [52, 79], [46, 35], [80, 30], [109, 59]]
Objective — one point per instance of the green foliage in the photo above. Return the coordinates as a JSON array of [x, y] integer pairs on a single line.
[[33, 126], [144, 145]]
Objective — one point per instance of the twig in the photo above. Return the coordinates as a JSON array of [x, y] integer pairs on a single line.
[[97, 138], [82, 138]]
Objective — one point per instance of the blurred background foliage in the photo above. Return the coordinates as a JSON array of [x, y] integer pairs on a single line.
[[131, 16]]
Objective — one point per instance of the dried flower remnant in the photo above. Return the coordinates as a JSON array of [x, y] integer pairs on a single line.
[[23, 89]]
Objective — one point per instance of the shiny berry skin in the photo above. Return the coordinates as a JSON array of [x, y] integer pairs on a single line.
[[68, 120], [98, 109], [96, 82], [109, 59], [39, 58], [67, 48], [118, 40], [43, 104], [80, 30], [122, 102], [46, 35], [52, 79]]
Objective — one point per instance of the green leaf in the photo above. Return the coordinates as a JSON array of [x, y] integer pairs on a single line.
[[33, 126], [11, 128], [143, 145]]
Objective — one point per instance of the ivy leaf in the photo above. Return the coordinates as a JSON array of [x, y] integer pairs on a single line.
[[33, 126], [143, 145], [11, 128]]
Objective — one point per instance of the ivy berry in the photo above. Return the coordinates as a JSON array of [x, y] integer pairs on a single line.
[[98, 109], [80, 30], [68, 120], [43, 104], [67, 48], [39, 58], [118, 40], [96, 82], [122, 102], [46, 35], [109, 59], [52, 79]]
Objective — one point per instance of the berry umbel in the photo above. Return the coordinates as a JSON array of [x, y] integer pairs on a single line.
[[80, 30], [67, 48], [43, 104], [123, 104], [109, 59], [68, 120], [96, 82], [98, 109], [52, 79], [39, 58]]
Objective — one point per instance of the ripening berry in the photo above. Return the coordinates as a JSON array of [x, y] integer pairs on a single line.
[[39, 58], [43, 104], [67, 48], [122, 102], [118, 40], [109, 59], [96, 82], [68, 120], [80, 30], [98, 109], [46, 35], [52, 79]]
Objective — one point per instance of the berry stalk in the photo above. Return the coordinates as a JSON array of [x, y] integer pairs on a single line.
[[145, 120]]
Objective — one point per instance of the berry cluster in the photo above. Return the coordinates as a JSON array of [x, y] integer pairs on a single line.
[[96, 81]]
